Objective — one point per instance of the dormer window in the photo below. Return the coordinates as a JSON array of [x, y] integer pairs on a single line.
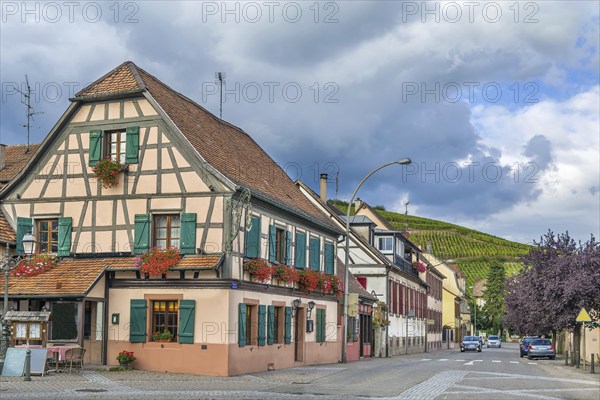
[[385, 244]]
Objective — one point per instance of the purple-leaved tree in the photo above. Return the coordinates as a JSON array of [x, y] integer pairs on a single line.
[[558, 278]]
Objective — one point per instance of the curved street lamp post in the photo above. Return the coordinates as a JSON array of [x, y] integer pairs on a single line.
[[403, 161]]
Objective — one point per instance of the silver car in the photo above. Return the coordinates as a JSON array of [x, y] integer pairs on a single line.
[[541, 348], [470, 343], [494, 341]]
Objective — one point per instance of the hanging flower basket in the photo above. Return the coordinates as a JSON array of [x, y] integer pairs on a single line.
[[308, 280], [260, 270], [419, 266], [107, 172], [285, 274], [39, 263], [156, 262]]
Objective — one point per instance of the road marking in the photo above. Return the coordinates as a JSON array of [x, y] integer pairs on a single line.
[[531, 363], [460, 360], [478, 360], [514, 362], [426, 359], [443, 359], [496, 361], [469, 363]]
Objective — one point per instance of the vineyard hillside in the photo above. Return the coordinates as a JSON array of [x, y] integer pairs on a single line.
[[473, 251]]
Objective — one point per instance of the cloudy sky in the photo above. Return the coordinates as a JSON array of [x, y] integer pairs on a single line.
[[496, 103]]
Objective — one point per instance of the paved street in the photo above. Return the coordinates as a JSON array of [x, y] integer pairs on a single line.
[[448, 374]]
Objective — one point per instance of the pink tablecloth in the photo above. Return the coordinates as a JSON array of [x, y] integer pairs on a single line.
[[61, 350]]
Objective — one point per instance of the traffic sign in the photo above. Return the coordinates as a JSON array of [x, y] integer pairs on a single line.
[[583, 316]]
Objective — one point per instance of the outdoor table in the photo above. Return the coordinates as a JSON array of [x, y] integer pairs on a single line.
[[59, 354]]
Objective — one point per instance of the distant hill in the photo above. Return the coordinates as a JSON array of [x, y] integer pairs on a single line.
[[473, 251]]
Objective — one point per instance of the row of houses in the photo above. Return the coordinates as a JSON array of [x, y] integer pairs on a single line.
[[134, 168]]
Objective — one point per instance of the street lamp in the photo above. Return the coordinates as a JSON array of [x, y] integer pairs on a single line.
[[28, 242], [402, 161]]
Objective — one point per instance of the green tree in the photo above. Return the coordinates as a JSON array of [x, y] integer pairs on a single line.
[[494, 307]]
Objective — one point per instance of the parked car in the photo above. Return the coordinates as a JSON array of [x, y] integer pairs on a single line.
[[494, 341], [470, 343], [541, 348], [524, 346]]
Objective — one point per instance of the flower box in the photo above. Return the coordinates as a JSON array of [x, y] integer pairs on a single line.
[[260, 270], [156, 262], [39, 263], [107, 172]]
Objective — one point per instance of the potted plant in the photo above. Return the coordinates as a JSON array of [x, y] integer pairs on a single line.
[[107, 172], [285, 274], [125, 358], [156, 262], [162, 336], [258, 269], [39, 263]]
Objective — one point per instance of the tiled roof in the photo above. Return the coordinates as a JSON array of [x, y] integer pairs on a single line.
[[71, 277], [225, 147], [16, 158], [354, 285], [119, 80]]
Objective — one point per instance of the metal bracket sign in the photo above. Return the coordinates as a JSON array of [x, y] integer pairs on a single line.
[[583, 316]]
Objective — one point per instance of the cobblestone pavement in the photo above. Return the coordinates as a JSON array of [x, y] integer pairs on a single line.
[[492, 374]]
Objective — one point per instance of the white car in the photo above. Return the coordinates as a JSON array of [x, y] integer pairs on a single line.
[[494, 341]]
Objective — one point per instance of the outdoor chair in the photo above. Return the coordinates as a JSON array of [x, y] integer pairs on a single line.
[[74, 356]]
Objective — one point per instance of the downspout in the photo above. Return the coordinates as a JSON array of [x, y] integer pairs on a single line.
[[387, 308], [105, 328]]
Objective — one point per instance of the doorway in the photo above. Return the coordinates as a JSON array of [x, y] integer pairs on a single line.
[[299, 334]]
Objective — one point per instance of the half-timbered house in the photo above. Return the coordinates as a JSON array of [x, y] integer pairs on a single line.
[[189, 181]]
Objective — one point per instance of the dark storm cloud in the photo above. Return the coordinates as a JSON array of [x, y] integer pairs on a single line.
[[539, 149]]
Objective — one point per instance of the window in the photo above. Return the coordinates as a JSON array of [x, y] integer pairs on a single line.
[[251, 324], [385, 244], [64, 321], [277, 329], [164, 316], [166, 231], [399, 248], [47, 235], [115, 146], [280, 245]]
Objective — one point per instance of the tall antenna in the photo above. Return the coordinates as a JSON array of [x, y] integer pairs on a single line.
[[406, 216], [30, 111], [337, 184], [220, 77]]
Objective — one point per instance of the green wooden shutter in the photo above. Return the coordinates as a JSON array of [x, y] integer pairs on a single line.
[[141, 233], [272, 243], [24, 226], [329, 258], [288, 247], [137, 321], [320, 325], [253, 239], [270, 324], [300, 256], [65, 227], [95, 147], [187, 311], [242, 325], [287, 338], [315, 253], [188, 233], [132, 144], [262, 319]]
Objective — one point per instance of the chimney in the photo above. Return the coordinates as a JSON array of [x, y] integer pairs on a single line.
[[357, 204], [323, 188], [2, 156]]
